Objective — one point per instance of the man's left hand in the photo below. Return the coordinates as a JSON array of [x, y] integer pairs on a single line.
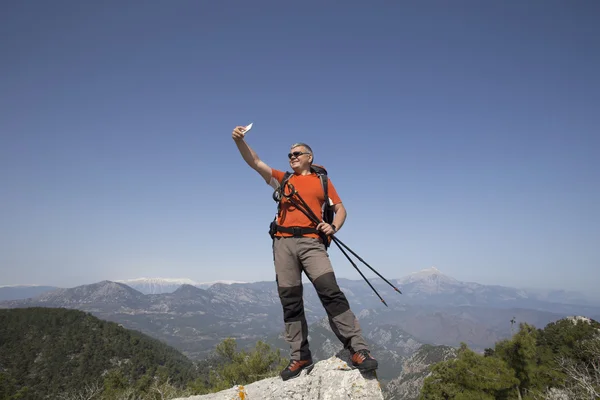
[[326, 228]]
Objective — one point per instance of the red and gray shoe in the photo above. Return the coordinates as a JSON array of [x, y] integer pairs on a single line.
[[295, 367], [363, 361]]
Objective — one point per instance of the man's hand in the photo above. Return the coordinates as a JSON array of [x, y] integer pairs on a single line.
[[238, 133], [326, 228]]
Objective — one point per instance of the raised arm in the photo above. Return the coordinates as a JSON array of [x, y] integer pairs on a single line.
[[250, 155]]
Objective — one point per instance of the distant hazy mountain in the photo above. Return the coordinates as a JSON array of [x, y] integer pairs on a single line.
[[433, 309], [428, 286], [18, 292], [432, 286], [206, 285], [166, 285], [156, 285], [105, 295]]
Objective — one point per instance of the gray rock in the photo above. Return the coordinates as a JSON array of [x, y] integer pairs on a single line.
[[330, 379]]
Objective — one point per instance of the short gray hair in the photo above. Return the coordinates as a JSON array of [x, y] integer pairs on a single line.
[[307, 147]]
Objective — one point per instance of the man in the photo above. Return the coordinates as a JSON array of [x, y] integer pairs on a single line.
[[302, 249]]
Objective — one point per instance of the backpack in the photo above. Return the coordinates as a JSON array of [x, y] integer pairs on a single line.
[[326, 211]]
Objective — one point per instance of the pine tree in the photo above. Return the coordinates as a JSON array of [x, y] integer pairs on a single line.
[[470, 376], [243, 367]]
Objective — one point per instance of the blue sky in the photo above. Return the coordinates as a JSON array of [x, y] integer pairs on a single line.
[[460, 135]]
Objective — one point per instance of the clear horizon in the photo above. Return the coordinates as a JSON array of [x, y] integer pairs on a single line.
[[463, 136]]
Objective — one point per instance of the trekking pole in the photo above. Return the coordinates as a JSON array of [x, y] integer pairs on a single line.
[[315, 219], [311, 215], [361, 274], [338, 242]]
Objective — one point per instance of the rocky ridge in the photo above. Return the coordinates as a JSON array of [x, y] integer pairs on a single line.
[[330, 379]]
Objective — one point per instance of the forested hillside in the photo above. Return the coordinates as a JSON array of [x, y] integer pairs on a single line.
[[561, 361], [55, 353], [44, 352]]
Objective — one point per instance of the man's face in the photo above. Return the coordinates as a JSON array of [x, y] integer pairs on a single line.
[[299, 158]]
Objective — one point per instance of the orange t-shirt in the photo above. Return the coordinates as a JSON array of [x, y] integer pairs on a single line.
[[310, 189]]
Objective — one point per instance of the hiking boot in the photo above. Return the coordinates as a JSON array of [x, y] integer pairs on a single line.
[[363, 361], [295, 367]]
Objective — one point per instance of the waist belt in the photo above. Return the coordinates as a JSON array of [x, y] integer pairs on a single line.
[[296, 231]]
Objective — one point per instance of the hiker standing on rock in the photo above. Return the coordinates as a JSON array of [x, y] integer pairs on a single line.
[[298, 245]]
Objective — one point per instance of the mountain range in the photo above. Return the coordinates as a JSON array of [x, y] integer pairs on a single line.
[[429, 285], [167, 285], [433, 309]]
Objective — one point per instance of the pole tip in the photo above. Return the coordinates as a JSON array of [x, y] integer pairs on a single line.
[[383, 301]]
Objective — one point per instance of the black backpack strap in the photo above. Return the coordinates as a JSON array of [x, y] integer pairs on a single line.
[[278, 191], [324, 183], [327, 208], [285, 178], [277, 196]]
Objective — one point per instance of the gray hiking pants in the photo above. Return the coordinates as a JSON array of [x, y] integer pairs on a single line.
[[292, 256]]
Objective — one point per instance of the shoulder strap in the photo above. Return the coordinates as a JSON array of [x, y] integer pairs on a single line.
[[277, 193], [325, 184], [285, 178], [327, 209], [322, 174], [277, 196]]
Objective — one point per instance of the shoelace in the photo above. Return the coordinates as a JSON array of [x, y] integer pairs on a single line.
[[294, 364], [361, 356]]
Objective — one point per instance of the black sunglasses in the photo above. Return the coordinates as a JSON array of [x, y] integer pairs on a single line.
[[295, 154]]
